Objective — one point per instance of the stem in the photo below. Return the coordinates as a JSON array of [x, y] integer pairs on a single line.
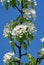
[[18, 8], [21, 23], [24, 54], [19, 54], [22, 8], [39, 58], [16, 45]]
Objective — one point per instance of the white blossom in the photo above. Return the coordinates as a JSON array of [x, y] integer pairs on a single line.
[[42, 49], [35, 3], [31, 27], [42, 40], [8, 56], [9, 0], [7, 30], [29, 0], [29, 13], [42, 52], [20, 29], [19, 1], [2, 1]]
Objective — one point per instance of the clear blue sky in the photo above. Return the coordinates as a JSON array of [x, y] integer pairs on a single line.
[[6, 16]]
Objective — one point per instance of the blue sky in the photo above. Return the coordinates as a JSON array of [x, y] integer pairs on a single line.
[[6, 16]]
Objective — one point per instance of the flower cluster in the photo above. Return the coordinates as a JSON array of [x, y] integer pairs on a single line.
[[19, 29], [30, 13], [7, 30], [8, 56], [35, 3]]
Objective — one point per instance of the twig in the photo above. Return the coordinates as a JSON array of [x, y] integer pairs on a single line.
[[24, 54], [18, 8]]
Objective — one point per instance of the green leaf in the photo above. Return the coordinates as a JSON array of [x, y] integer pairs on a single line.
[[32, 59], [10, 63], [13, 23], [14, 63], [27, 64], [17, 18], [18, 2], [25, 46], [32, 5], [25, 3], [28, 41], [12, 3], [12, 46], [7, 4], [31, 36]]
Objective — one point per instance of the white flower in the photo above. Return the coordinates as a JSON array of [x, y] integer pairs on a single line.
[[42, 49], [29, 0], [19, 1], [19, 30], [35, 3], [42, 40], [8, 56], [42, 52], [9, 0], [32, 11], [29, 13], [7, 30], [2, 1], [31, 27]]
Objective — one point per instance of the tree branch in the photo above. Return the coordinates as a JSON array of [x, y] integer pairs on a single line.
[[17, 45], [39, 58], [16, 61], [24, 54], [18, 8]]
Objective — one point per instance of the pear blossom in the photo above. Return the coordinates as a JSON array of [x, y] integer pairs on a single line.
[[9, 0], [2, 1], [42, 40], [42, 49], [31, 27], [6, 30], [19, 30], [42, 52], [29, 13], [8, 56], [35, 3]]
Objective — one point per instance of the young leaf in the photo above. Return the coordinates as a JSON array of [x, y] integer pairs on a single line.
[[32, 59], [14, 63], [25, 46], [31, 36], [10, 63], [7, 4]]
